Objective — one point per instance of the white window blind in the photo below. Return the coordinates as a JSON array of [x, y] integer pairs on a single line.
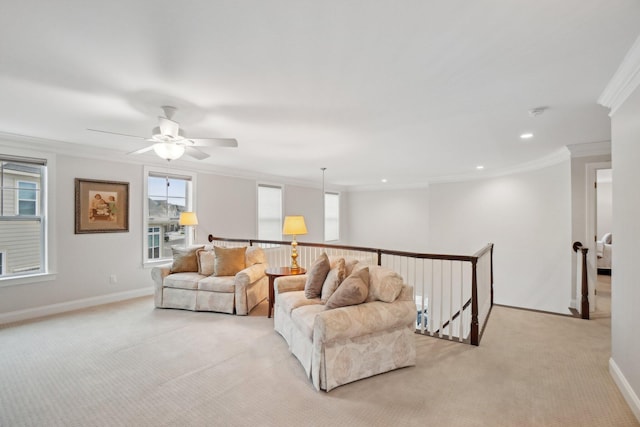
[[331, 216], [269, 212]]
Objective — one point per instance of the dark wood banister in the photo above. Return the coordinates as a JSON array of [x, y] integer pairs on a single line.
[[473, 259], [584, 302]]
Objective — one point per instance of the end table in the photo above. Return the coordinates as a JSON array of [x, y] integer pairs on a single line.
[[276, 272]]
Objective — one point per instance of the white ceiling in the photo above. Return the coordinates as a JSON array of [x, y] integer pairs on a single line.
[[409, 90]]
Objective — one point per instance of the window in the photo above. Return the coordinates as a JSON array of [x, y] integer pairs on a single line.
[[27, 198], [331, 216], [269, 212], [22, 224], [167, 196]]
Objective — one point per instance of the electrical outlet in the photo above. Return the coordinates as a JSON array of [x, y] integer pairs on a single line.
[[113, 279]]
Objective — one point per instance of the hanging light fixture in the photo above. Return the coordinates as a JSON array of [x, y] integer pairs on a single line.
[[168, 150]]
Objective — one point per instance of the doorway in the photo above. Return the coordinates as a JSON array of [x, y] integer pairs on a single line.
[[604, 243]]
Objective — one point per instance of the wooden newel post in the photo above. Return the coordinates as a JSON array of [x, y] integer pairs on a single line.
[[584, 303]]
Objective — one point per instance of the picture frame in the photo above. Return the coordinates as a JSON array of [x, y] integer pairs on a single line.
[[101, 206]]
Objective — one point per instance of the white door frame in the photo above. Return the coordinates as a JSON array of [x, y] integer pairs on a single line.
[[592, 228]]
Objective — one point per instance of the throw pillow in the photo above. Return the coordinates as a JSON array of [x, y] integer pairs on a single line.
[[349, 266], [184, 260], [384, 284], [316, 276], [229, 261], [206, 262], [334, 278], [352, 291]]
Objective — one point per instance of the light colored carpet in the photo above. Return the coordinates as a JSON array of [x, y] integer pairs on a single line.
[[603, 297], [129, 364]]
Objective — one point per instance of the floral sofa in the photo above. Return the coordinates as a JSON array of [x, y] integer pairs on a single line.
[[226, 280], [338, 344]]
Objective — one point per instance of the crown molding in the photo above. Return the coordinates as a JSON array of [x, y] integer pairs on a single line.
[[625, 80], [600, 148], [552, 159]]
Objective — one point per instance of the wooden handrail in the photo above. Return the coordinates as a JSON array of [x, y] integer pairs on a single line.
[[469, 258]]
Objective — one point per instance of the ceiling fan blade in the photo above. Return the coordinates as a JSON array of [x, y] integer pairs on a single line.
[[215, 142], [116, 133], [168, 127], [195, 153], [142, 150]]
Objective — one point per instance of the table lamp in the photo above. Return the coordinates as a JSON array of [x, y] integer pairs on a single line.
[[294, 225], [189, 219]]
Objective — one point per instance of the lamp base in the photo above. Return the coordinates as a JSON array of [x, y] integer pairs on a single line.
[[294, 254]]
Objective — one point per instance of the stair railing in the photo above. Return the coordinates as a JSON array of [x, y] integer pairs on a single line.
[[453, 293]]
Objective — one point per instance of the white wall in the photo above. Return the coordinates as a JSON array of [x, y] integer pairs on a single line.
[[625, 294], [308, 203], [527, 216], [605, 208], [226, 207], [83, 263], [389, 219]]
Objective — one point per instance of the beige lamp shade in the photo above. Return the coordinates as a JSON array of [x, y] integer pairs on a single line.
[[188, 218], [294, 225]]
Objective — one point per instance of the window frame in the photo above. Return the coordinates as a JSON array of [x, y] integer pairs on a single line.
[[325, 217], [190, 205], [45, 188], [269, 185]]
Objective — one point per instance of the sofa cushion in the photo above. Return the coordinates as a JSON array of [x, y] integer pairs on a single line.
[[304, 317], [384, 284], [334, 278], [206, 261], [182, 280], [352, 291], [224, 284], [316, 276], [184, 260], [289, 301], [229, 261]]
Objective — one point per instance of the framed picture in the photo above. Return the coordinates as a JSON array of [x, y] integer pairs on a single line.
[[101, 206]]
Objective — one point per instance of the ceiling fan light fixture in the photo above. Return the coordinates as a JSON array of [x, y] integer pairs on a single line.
[[168, 150]]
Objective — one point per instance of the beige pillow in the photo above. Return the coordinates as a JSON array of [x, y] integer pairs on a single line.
[[229, 261], [185, 260], [349, 266], [334, 278], [316, 276], [206, 261], [255, 255], [352, 291], [384, 284]]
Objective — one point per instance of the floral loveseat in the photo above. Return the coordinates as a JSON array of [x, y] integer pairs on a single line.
[[339, 344], [227, 280]]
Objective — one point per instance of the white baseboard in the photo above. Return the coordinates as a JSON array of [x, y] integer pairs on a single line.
[[47, 310], [629, 395]]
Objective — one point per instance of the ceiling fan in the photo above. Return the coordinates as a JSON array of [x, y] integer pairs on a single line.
[[170, 142]]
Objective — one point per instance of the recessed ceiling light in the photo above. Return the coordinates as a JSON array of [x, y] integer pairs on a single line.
[[384, 180], [526, 135], [479, 167]]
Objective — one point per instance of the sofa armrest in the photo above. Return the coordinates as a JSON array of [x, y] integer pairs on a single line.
[[363, 319], [250, 275], [159, 272], [289, 283]]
